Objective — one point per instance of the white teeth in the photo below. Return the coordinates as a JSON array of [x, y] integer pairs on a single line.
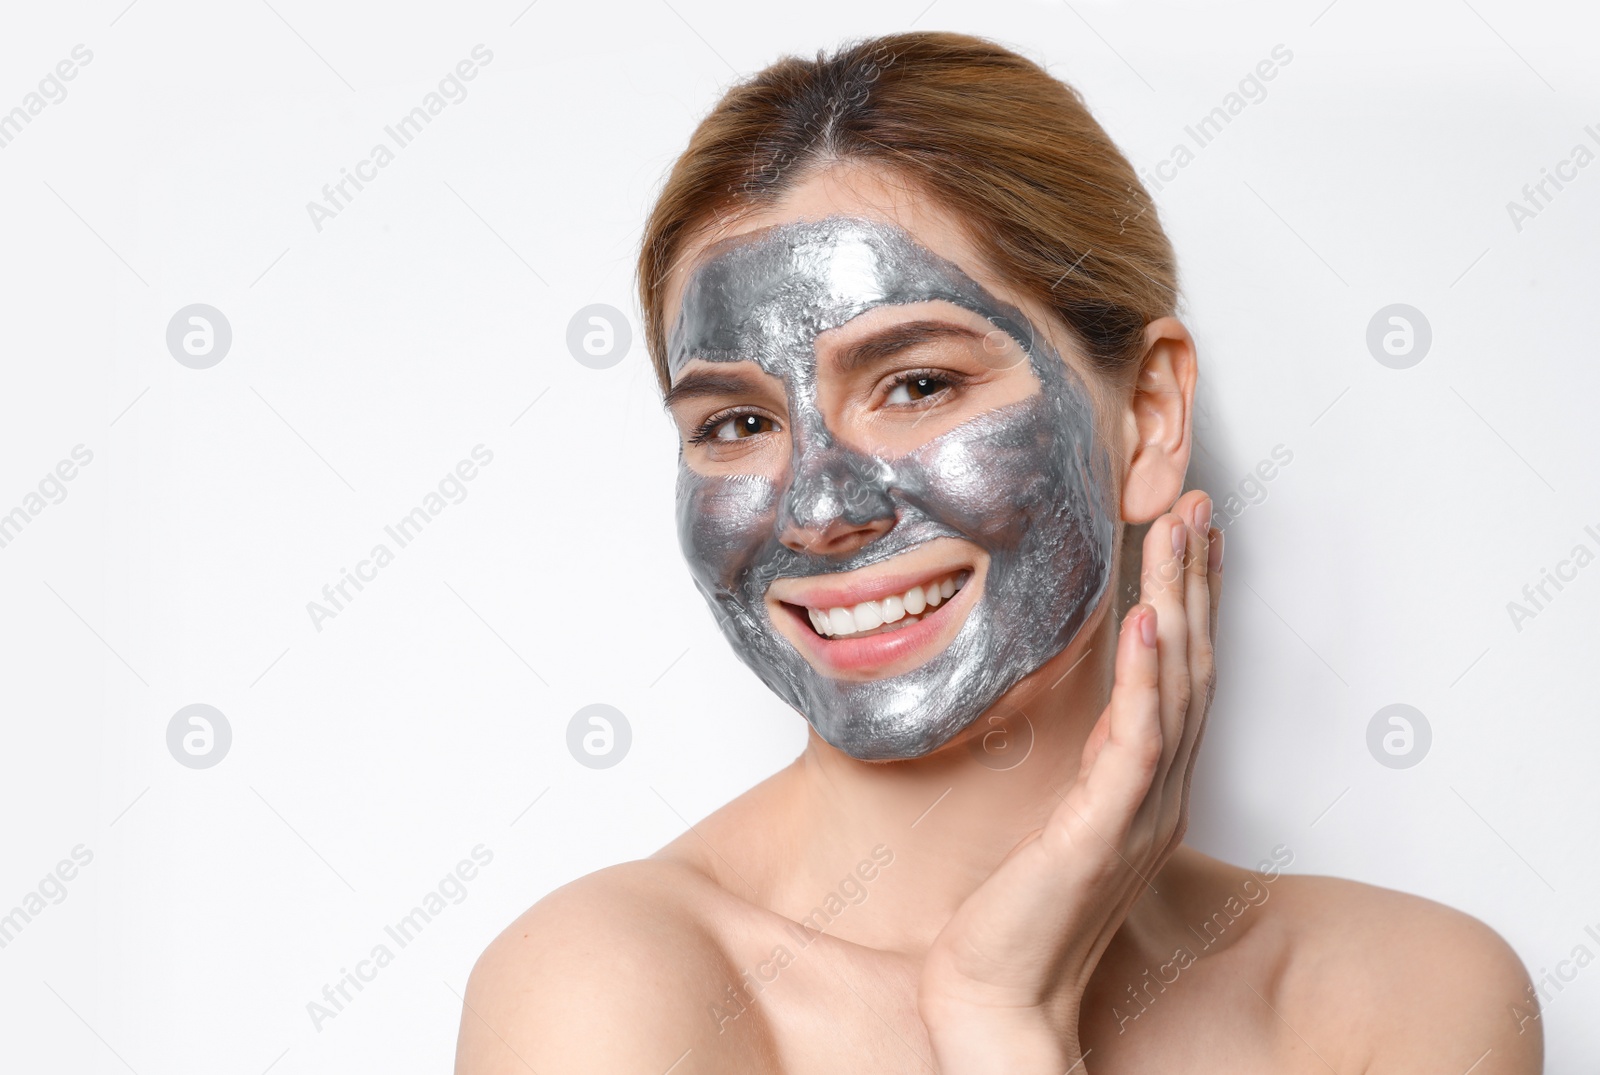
[[904, 609], [894, 610], [867, 616]]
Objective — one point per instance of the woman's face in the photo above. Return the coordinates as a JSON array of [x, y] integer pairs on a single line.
[[890, 490]]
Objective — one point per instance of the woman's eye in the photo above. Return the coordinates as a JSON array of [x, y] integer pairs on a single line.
[[915, 389], [742, 426]]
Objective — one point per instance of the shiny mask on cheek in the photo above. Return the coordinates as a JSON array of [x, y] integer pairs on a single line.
[[1025, 482]]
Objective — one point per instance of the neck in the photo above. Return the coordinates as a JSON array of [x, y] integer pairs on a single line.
[[949, 818]]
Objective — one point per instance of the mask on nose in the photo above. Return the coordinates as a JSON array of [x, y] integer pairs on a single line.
[[1025, 482]]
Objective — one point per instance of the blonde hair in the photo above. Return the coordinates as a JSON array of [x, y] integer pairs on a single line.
[[1051, 203]]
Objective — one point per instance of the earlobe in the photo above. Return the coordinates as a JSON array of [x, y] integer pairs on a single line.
[[1157, 422]]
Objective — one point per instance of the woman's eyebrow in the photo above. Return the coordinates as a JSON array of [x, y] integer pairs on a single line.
[[697, 384], [896, 338], [888, 341]]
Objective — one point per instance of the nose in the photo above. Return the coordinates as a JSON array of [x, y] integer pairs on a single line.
[[837, 502]]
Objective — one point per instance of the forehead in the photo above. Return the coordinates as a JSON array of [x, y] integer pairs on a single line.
[[846, 188], [863, 240], [767, 295]]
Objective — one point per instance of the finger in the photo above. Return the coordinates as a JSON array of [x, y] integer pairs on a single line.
[[1096, 741], [1163, 589], [1197, 608], [1214, 579], [1105, 800], [1214, 587], [1197, 592]]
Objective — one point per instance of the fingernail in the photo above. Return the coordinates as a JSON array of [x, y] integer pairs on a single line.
[[1147, 626], [1202, 516], [1180, 536], [1214, 557]]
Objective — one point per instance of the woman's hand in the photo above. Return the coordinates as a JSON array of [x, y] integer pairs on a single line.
[[1001, 987]]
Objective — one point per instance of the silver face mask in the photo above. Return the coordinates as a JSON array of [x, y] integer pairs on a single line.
[[1026, 482]]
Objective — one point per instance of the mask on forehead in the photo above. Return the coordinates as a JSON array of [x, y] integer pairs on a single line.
[[1025, 482]]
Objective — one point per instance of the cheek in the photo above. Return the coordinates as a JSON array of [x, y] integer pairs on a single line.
[[723, 524], [993, 477]]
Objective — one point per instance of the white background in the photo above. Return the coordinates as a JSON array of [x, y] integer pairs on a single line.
[[430, 316]]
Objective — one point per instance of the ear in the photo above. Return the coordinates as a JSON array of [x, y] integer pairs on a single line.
[[1157, 422]]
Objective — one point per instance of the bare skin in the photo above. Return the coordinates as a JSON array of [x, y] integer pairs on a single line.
[[966, 914]]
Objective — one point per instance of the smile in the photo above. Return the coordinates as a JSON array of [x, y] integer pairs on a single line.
[[881, 623], [892, 613]]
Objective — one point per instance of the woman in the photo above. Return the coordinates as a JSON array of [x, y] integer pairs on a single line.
[[912, 311]]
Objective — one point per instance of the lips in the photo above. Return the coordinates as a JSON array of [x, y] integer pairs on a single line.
[[876, 637], [904, 609]]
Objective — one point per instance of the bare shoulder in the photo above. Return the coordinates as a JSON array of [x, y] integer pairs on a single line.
[[613, 972], [1429, 987]]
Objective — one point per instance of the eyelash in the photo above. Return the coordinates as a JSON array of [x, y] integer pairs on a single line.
[[945, 377], [950, 380], [710, 425]]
